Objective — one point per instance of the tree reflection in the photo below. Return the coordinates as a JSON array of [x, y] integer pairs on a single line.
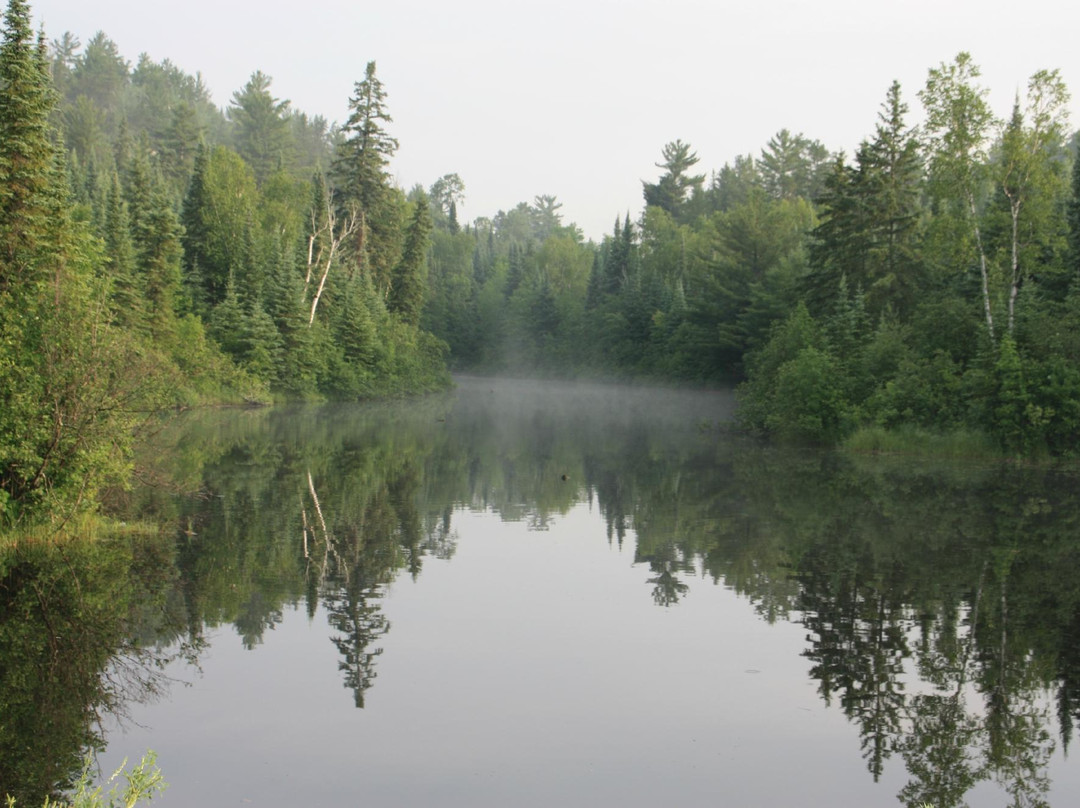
[[940, 751], [354, 612], [858, 647], [940, 613], [71, 615]]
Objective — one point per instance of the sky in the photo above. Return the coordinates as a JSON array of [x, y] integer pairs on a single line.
[[576, 98]]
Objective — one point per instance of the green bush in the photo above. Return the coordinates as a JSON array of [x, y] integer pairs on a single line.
[[808, 404]]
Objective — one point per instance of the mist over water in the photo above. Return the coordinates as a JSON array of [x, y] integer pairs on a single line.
[[544, 593]]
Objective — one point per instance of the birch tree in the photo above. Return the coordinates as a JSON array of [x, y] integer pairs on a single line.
[[1031, 171], [957, 129], [328, 230]]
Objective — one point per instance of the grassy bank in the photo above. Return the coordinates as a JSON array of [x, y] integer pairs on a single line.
[[959, 444]]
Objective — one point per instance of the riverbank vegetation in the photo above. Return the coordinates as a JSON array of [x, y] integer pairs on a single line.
[[926, 284], [161, 251], [156, 252]]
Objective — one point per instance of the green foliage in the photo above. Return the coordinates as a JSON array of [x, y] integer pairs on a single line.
[[360, 173], [808, 400], [70, 600], [142, 783], [71, 384], [262, 127], [787, 342], [1011, 408], [792, 166], [869, 232], [897, 253], [221, 200], [112, 306], [920, 392], [407, 284], [676, 187]]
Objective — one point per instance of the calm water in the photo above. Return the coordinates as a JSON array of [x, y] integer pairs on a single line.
[[539, 594]]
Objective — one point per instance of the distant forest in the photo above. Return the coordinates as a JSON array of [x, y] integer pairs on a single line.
[[157, 250]]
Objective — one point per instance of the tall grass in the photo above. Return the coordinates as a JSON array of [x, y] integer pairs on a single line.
[[957, 444], [141, 784], [81, 527]]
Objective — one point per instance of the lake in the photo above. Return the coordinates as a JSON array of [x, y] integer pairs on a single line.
[[541, 593]]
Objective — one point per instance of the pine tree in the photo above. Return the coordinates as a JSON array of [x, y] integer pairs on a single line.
[[676, 186], [263, 137], [180, 145]]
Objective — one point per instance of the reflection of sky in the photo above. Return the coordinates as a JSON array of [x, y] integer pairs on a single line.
[[532, 669]]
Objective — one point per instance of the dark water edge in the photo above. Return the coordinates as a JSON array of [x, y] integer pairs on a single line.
[[555, 593]]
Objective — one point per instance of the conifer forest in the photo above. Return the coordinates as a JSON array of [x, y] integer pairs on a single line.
[[158, 251], [331, 494]]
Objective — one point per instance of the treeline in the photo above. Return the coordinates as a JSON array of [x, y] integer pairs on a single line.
[[275, 238], [158, 251], [929, 280]]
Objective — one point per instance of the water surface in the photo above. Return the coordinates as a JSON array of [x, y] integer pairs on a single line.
[[532, 593]]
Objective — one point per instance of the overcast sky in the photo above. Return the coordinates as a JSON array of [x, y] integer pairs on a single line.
[[576, 98]]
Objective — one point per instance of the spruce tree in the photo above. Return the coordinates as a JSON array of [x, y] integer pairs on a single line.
[[26, 152], [226, 323], [158, 251], [362, 180], [125, 290], [354, 326], [195, 234], [407, 290], [596, 282], [891, 174], [361, 161], [840, 244], [514, 272], [67, 381], [262, 344], [285, 303]]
